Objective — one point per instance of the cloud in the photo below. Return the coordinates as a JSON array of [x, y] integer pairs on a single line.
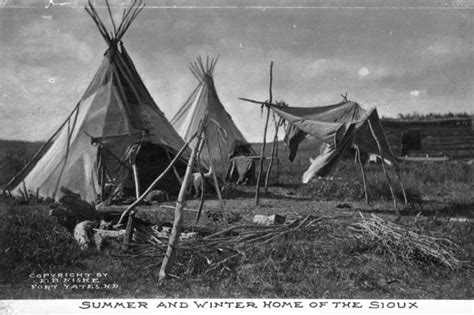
[[363, 72], [47, 43], [414, 93], [447, 45]]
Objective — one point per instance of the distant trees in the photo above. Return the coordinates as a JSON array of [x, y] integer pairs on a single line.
[[430, 116]]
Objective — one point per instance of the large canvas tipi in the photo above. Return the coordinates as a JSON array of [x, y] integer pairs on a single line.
[[116, 127], [223, 139]]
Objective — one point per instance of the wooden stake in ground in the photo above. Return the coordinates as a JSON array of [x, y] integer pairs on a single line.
[[363, 173], [176, 231], [397, 211], [257, 187]]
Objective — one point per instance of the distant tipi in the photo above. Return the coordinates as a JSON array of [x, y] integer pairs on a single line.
[[223, 139], [116, 127]]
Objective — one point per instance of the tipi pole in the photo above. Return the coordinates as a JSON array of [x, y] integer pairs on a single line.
[[257, 188], [133, 205], [175, 232], [364, 181], [397, 211], [216, 184]]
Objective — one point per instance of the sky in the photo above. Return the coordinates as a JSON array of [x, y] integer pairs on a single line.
[[415, 57]]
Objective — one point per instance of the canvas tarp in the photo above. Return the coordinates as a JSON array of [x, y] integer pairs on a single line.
[[339, 127]]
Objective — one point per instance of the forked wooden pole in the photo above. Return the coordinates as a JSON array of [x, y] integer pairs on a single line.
[[397, 211], [176, 231], [359, 161], [259, 177]]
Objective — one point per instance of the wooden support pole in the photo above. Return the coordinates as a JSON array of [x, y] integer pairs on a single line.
[[274, 154], [270, 165], [260, 169], [278, 163], [221, 201], [259, 177], [136, 181], [203, 182], [175, 170], [176, 231], [26, 196], [127, 239], [397, 211], [155, 182], [399, 178], [216, 185], [359, 161]]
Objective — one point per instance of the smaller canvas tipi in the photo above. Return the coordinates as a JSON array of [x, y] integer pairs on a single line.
[[223, 139], [114, 131]]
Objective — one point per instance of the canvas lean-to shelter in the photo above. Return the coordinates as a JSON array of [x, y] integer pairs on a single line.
[[115, 128], [340, 127], [223, 139]]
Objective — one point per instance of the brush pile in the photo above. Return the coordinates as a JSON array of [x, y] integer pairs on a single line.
[[399, 243], [217, 249]]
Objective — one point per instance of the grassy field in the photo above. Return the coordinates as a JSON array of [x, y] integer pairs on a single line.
[[324, 260]]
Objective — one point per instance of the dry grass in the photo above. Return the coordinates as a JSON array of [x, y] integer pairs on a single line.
[[401, 244], [320, 259]]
